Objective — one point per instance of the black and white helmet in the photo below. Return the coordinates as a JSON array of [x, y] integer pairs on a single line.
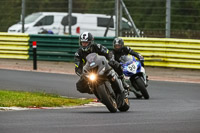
[[118, 43], [86, 37]]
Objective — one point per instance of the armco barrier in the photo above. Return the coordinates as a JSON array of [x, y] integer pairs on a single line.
[[54, 47], [14, 46], [178, 53], [60, 48]]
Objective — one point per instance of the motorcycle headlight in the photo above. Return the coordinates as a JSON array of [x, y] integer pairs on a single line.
[[92, 77]]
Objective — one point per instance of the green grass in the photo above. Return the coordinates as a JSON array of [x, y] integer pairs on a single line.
[[28, 99]]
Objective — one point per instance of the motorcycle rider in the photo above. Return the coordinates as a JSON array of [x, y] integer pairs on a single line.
[[87, 46], [119, 50]]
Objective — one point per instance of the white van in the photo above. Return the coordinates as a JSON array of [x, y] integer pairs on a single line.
[[57, 22]]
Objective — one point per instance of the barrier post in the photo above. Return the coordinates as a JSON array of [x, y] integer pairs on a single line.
[[34, 55]]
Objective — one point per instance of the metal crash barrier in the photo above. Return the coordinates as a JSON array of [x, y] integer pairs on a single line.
[[54, 47], [49, 47], [14, 46], [60, 48], [162, 52]]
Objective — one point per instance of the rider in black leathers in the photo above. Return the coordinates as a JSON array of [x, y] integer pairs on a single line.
[[87, 46], [119, 50]]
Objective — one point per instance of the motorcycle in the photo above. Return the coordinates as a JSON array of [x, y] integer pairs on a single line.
[[135, 75], [103, 81]]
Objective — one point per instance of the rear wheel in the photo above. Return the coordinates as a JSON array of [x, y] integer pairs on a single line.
[[106, 98]]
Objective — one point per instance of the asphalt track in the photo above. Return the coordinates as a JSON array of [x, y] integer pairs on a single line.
[[173, 108]]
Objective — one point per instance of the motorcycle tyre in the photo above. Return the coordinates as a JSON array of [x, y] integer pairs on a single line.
[[126, 105], [141, 86], [107, 99]]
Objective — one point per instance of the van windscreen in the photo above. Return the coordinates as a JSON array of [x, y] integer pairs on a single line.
[[31, 18], [104, 22]]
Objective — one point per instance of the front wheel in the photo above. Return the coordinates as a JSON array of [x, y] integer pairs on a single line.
[[126, 105], [139, 83], [106, 98]]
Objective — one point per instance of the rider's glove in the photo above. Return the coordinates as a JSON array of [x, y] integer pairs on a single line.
[[141, 58]]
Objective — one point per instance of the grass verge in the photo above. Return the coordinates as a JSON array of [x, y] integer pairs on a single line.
[[30, 99]]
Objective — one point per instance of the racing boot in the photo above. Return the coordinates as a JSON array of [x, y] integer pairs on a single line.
[[126, 93], [126, 87]]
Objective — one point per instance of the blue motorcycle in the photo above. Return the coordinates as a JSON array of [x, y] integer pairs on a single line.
[[135, 75]]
